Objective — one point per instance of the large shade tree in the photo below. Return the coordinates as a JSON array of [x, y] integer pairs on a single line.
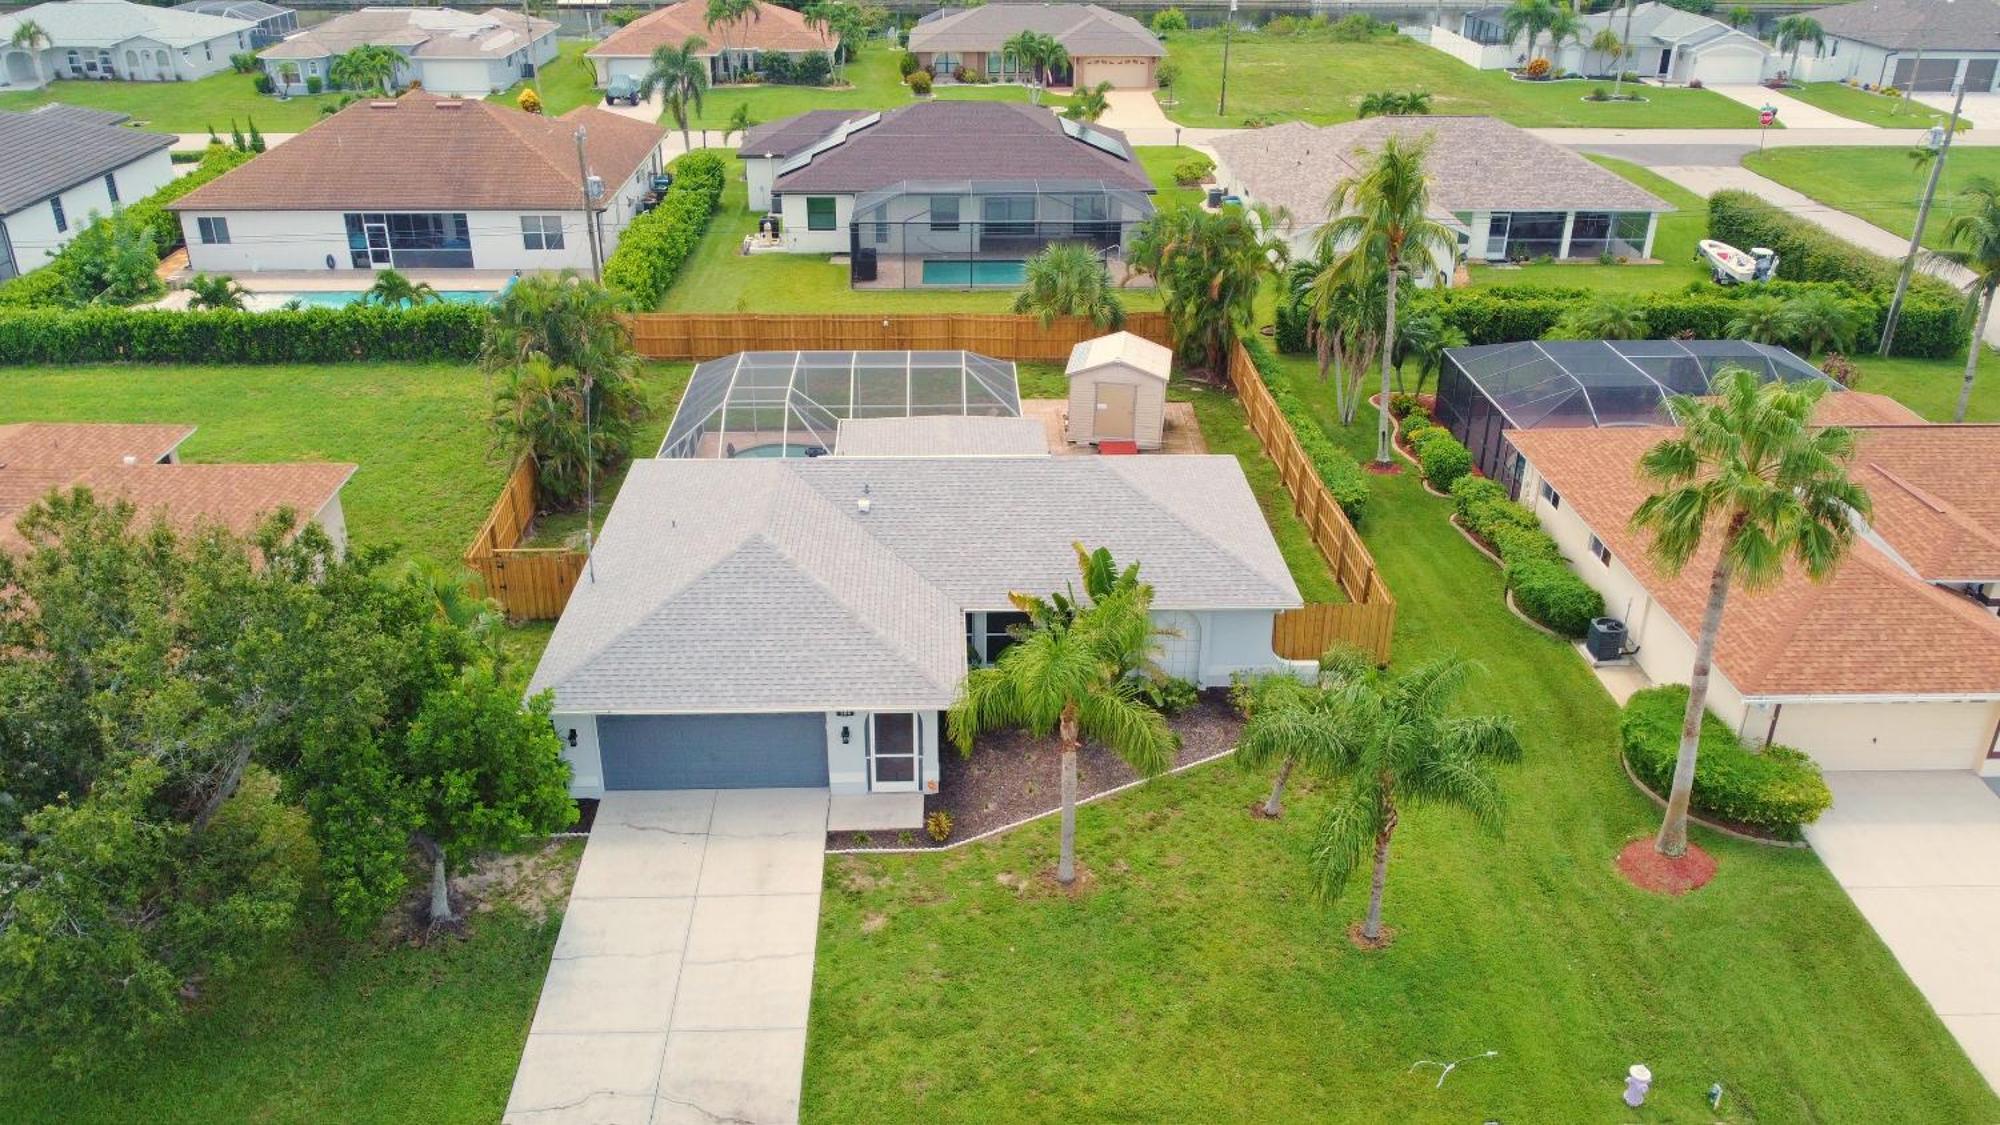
[[1747, 488], [1972, 242]]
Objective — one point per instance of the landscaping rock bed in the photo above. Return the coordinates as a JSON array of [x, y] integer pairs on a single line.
[[1014, 776]]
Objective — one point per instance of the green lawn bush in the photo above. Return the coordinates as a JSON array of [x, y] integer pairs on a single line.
[[1443, 458], [1777, 791], [1544, 586], [437, 332], [1340, 473], [652, 249]]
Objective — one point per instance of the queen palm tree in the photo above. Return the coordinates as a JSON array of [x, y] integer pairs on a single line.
[[365, 66], [1069, 675], [1069, 279], [1394, 742], [1607, 44], [1563, 25], [1282, 720], [1794, 32], [1348, 311], [727, 14], [682, 76], [1819, 321], [1425, 338], [1040, 54], [740, 123], [1972, 241], [215, 291], [1383, 222], [1209, 266], [393, 290], [1752, 484], [845, 23], [29, 36], [1607, 316]]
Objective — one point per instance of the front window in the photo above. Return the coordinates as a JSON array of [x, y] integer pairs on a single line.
[[1008, 214], [541, 232], [819, 212], [944, 212], [212, 231]]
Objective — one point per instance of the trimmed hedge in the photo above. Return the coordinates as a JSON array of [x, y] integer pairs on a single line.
[[1776, 791], [653, 248], [1544, 586], [439, 332], [1341, 474], [1441, 456]]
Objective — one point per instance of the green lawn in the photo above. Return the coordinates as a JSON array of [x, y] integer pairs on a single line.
[[567, 82], [1673, 247], [1322, 82], [183, 107], [1930, 386], [1865, 105], [1881, 185], [1198, 980], [872, 82]]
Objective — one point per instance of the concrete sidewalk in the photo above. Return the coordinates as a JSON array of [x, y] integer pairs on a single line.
[[679, 987]]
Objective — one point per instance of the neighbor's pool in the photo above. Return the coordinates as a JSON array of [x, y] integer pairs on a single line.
[[341, 298], [979, 271], [775, 449]]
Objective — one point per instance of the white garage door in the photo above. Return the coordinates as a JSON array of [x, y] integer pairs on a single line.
[[1123, 74], [1180, 650], [1890, 736], [1729, 68]]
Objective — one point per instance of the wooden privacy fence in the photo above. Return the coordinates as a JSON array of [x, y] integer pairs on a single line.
[[528, 582], [1367, 620], [700, 336]]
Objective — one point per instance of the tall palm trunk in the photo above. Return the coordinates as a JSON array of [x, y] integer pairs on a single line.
[[1371, 928], [1673, 838], [1066, 866], [1972, 354], [440, 885], [1388, 349], [1275, 805]]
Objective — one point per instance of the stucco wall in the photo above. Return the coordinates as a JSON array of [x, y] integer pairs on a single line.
[[586, 778], [799, 240], [758, 172], [332, 519], [32, 230]]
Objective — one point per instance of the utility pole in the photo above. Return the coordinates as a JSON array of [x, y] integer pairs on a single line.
[[589, 208], [1923, 214], [1228, 24], [534, 67]]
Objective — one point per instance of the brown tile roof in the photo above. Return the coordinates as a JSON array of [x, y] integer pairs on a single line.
[[76, 444], [788, 135], [966, 140], [424, 151], [1084, 30], [1871, 628], [774, 29]]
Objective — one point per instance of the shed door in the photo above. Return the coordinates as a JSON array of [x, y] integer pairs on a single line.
[[713, 751], [1117, 403]]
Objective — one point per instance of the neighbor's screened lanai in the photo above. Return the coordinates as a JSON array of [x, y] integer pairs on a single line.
[[789, 404]]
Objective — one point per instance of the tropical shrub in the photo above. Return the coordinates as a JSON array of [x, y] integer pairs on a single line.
[[653, 248], [906, 65], [1169, 19], [812, 69], [438, 332], [920, 83], [775, 67], [1292, 331], [1468, 491], [1169, 696], [243, 62], [1405, 405], [1356, 28], [1443, 458], [1193, 170], [1538, 68], [315, 84], [264, 84], [1549, 592], [1342, 475], [937, 825], [1778, 790], [619, 17], [529, 101]]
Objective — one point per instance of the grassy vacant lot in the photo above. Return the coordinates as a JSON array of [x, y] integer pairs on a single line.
[[568, 81], [1673, 247], [873, 82], [1197, 979], [1881, 185], [183, 107], [1318, 81], [1868, 106]]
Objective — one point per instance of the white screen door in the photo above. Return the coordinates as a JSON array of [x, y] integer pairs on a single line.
[[893, 748]]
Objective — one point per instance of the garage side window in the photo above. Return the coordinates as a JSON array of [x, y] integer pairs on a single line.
[[212, 231], [819, 212]]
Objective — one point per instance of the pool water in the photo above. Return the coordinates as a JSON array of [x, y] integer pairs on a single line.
[[341, 298], [979, 271], [774, 449]]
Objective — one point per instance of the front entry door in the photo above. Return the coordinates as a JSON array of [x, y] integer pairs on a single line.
[[1116, 403], [893, 750]]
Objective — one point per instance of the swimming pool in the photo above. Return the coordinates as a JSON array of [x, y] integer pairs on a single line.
[[978, 271], [776, 449], [264, 301]]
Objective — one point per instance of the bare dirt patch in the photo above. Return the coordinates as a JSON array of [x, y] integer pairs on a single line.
[[1367, 944], [1644, 867], [535, 881]]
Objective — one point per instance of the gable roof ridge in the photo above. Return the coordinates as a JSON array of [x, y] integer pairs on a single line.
[[532, 144], [1118, 467]]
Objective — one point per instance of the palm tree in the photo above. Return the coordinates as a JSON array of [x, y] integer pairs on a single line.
[[844, 23], [1038, 54], [683, 76], [572, 320], [1069, 279], [1748, 466], [1563, 25], [365, 66], [29, 36], [1760, 319], [1090, 103], [215, 291], [1389, 103], [740, 123], [1384, 222], [1068, 675], [393, 290], [1821, 322], [727, 14], [1972, 240], [539, 411], [1608, 316], [1209, 266], [1738, 15], [1527, 18], [1425, 338], [1607, 44], [1348, 311], [1283, 722], [1794, 32], [1394, 743]]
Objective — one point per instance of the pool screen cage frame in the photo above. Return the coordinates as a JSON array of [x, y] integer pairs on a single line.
[[1487, 390], [796, 400], [894, 230]]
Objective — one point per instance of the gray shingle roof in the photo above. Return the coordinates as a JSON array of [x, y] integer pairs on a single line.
[[760, 585], [50, 150], [107, 23], [1905, 25], [965, 140], [942, 435], [788, 135], [421, 33], [1084, 30]]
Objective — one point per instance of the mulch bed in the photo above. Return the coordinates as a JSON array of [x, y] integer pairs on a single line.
[[586, 814], [1644, 867], [1011, 776]]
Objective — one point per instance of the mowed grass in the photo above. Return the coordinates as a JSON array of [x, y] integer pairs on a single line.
[[871, 81], [1868, 106], [568, 81], [183, 107], [1315, 80], [1673, 247], [1197, 979], [1930, 386], [1882, 185]]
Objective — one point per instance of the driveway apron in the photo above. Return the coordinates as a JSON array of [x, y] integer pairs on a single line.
[[680, 983]]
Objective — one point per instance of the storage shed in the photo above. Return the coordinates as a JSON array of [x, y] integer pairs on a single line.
[[1118, 390]]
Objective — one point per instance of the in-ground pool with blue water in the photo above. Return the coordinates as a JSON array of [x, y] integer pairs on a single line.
[[341, 298], [979, 271]]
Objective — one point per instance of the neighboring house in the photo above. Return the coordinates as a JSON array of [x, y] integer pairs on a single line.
[[1924, 44], [116, 39], [67, 163], [948, 193], [806, 622], [273, 23], [1510, 195], [424, 182], [141, 465], [1891, 663], [1103, 46], [1665, 44], [444, 50], [731, 50]]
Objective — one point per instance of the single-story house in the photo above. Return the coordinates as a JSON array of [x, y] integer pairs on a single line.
[[948, 193], [806, 621], [1664, 43], [424, 181], [1891, 663], [273, 23], [446, 51], [140, 464], [731, 49], [118, 39], [1118, 391], [1923, 44], [1103, 45], [67, 163], [1510, 195]]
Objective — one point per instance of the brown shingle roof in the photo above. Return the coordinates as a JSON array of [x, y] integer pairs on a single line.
[[1937, 496], [774, 29], [973, 140], [422, 33], [1871, 628], [51, 445], [1860, 408], [426, 151]]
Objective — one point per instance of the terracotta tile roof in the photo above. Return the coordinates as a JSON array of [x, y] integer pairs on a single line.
[[774, 29], [422, 151], [967, 140], [1871, 628]]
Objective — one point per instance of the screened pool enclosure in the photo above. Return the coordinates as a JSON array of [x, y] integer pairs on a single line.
[[1485, 391], [790, 404], [976, 233]]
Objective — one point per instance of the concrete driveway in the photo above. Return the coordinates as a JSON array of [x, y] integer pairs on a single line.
[[1919, 853], [680, 983], [1792, 113]]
